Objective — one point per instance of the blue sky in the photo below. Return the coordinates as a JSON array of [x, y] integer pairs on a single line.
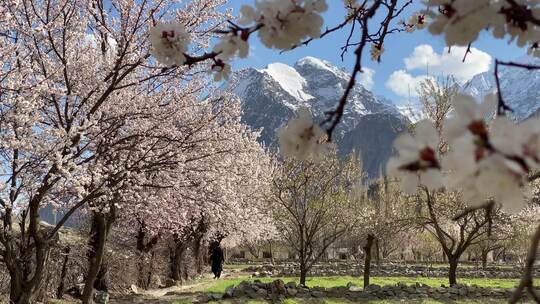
[[398, 47]]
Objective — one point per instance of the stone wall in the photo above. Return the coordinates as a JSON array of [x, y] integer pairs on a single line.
[[277, 291], [385, 270]]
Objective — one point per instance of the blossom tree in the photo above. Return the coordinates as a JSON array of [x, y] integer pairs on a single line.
[[70, 73], [64, 61], [218, 186], [380, 212], [480, 163], [313, 205]]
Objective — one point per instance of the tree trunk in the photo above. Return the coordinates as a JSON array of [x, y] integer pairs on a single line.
[[197, 253], [99, 233], [272, 261], [198, 244], [141, 265], [101, 282], [452, 271], [150, 269], [484, 259], [63, 273], [303, 273], [377, 252], [176, 260], [143, 247], [367, 259], [17, 293], [25, 289]]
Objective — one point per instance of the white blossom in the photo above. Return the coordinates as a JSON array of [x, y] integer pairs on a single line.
[[230, 46], [221, 70], [417, 160], [417, 21], [351, 6], [501, 179], [169, 43], [301, 138], [469, 116], [376, 52], [284, 22], [461, 21]]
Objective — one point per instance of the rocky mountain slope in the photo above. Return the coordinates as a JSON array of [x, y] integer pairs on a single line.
[[520, 87], [271, 96]]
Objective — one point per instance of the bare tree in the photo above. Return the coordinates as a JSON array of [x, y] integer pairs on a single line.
[[455, 235], [313, 203], [435, 98]]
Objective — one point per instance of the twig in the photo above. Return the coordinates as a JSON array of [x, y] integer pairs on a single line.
[[487, 205], [328, 31], [527, 278], [466, 52], [502, 107], [334, 117]]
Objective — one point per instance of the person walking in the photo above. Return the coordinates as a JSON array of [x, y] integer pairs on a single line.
[[217, 259]]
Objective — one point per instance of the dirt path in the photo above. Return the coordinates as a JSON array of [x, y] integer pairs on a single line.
[[187, 293]]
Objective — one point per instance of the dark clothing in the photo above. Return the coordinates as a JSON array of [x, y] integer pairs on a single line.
[[217, 259]]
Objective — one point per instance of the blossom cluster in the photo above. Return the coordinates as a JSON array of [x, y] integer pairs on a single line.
[[301, 138], [281, 24], [376, 52], [169, 43], [462, 20], [488, 157], [417, 21], [351, 6], [284, 22]]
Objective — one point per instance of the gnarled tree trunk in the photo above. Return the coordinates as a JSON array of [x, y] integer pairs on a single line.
[[97, 269], [61, 287], [452, 271], [177, 258], [144, 247], [367, 260], [484, 258], [25, 258]]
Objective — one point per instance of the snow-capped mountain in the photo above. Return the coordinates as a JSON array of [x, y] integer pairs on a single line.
[[520, 87], [271, 96]]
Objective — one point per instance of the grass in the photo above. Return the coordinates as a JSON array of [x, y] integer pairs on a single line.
[[219, 286], [339, 301]]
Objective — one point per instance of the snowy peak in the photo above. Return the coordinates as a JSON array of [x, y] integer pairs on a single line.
[[308, 64], [289, 79], [312, 83], [271, 96], [519, 87]]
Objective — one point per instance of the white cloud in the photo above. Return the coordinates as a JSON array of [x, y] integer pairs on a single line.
[[449, 63], [366, 78], [404, 84]]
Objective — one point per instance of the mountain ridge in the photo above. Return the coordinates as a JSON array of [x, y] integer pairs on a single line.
[[271, 96], [519, 87]]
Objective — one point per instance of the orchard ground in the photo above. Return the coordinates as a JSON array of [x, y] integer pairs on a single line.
[[234, 275]]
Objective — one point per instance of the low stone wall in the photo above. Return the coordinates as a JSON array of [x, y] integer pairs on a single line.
[[277, 290], [384, 270]]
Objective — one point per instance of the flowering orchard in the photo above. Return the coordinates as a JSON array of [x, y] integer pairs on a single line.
[[489, 157], [91, 124], [104, 111]]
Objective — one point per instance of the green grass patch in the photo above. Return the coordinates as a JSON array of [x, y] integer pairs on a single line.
[[339, 301], [219, 286]]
